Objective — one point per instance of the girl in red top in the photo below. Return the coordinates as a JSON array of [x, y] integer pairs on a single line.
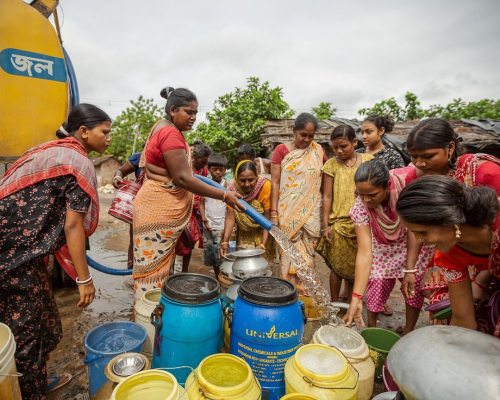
[[464, 225]]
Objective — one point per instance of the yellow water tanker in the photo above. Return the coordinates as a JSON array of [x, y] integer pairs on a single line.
[[34, 96]]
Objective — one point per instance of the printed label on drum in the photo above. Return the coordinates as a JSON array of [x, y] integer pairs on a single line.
[[267, 365], [272, 334]]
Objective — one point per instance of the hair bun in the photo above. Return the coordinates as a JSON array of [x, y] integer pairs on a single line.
[[166, 92], [62, 132], [387, 123]]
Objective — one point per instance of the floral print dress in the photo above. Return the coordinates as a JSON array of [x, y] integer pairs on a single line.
[[32, 227]]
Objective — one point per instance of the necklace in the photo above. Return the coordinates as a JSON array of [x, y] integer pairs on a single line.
[[346, 163]]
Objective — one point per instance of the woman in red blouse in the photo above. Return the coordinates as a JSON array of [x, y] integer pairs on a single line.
[[163, 206], [464, 225]]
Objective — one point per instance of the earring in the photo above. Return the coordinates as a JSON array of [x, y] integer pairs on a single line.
[[457, 231]]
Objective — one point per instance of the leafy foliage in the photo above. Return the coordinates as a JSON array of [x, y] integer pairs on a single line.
[[137, 119], [324, 110], [412, 109], [239, 116]]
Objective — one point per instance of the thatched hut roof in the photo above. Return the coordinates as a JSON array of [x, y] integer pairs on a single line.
[[478, 136]]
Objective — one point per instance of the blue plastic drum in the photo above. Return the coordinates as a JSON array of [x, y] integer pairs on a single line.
[[267, 329], [189, 323]]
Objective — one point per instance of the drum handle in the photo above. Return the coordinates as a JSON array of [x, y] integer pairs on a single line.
[[156, 321], [184, 393], [313, 383], [228, 312], [303, 309], [202, 393]]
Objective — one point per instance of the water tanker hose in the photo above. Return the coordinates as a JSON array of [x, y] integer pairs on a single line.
[[249, 210], [107, 270]]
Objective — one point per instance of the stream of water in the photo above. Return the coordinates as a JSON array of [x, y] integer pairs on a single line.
[[309, 278]]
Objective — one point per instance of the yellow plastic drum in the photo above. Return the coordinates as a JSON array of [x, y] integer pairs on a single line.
[[33, 79], [354, 347], [322, 372], [297, 396], [153, 384], [223, 377], [9, 383]]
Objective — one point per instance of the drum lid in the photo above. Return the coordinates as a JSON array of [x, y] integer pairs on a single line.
[[191, 288], [268, 291]]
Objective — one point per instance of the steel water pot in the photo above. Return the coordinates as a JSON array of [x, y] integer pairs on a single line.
[[227, 264], [249, 263]]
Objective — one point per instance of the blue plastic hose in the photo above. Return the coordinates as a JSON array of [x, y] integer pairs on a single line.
[[249, 210], [107, 270]]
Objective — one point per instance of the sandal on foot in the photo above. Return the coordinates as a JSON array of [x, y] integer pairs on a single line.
[[55, 382], [388, 311]]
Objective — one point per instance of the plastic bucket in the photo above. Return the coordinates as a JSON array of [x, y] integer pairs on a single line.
[[9, 383], [322, 372], [354, 347], [223, 377], [107, 341], [143, 310], [380, 341], [148, 385], [297, 396]]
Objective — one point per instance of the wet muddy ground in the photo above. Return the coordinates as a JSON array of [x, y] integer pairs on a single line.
[[114, 299]]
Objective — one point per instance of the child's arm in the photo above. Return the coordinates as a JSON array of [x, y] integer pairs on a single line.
[[228, 230]]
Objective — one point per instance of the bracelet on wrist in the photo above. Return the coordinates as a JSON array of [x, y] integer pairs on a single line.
[[224, 196], [357, 296], [84, 282], [410, 271], [224, 244]]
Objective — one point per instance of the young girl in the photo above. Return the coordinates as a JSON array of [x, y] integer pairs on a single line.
[[338, 245], [372, 130], [385, 248], [463, 223]]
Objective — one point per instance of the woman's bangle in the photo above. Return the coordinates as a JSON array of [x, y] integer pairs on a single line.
[[224, 244], [410, 271], [224, 196], [357, 296], [86, 281], [323, 229], [274, 210]]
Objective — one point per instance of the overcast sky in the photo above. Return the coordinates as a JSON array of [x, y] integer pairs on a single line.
[[350, 53]]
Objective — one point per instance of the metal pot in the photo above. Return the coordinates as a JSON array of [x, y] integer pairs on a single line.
[[249, 263], [446, 363], [227, 264]]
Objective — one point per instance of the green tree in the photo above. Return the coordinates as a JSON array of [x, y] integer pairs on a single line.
[[389, 107], [324, 110], [457, 109], [133, 125], [239, 116]]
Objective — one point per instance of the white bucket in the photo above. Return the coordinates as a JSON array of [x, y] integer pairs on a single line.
[[354, 347], [143, 309], [9, 383]]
